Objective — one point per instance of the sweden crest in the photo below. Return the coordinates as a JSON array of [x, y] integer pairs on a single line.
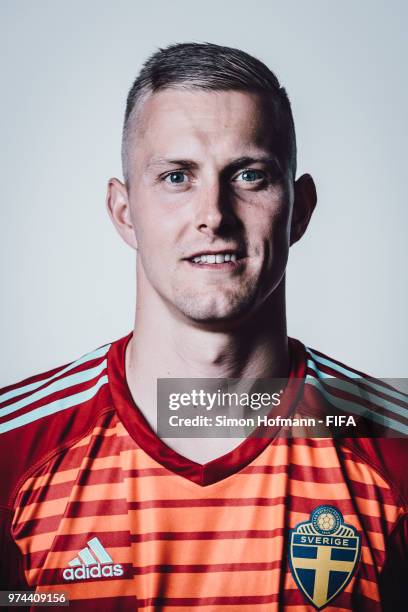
[[323, 555]]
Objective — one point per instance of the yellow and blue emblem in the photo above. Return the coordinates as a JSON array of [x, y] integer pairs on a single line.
[[323, 555]]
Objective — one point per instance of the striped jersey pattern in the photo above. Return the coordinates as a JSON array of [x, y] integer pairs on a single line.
[[100, 508], [62, 389]]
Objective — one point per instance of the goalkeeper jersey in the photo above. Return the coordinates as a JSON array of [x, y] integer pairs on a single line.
[[94, 504]]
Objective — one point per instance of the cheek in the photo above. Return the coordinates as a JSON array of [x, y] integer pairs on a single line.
[[270, 227], [149, 228], [280, 227], [158, 222]]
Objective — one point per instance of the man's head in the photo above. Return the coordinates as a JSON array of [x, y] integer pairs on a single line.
[[209, 199], [209, 67]]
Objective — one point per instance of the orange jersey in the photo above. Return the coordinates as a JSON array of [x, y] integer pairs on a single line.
[[93, 503]]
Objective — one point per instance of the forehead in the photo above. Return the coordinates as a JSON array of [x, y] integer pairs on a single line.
[[196, 122]]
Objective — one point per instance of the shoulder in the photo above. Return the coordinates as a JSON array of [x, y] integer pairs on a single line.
[[46, 413], [381, 412]]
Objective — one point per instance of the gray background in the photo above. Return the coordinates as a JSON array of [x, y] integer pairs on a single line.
[[68, 281]]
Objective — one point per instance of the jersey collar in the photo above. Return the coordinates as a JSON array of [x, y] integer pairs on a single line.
[[219, 468]]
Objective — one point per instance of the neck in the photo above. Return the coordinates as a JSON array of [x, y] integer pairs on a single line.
[[166, 346]]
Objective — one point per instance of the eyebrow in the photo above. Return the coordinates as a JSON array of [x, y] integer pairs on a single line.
[[236, 164], [157, 162], [189, 164]]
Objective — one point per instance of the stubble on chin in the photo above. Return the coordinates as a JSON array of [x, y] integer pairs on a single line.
[[215, 306]]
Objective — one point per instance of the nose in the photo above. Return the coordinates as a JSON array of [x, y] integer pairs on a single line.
[[214, 210]]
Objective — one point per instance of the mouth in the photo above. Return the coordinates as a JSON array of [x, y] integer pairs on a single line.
[[229, 259]]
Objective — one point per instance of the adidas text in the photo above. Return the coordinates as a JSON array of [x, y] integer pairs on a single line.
[[95, 571]]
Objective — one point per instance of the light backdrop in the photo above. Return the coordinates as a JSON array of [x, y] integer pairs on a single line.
[[68, 282]]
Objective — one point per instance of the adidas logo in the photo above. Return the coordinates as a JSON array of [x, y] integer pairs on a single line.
[[93, 561]]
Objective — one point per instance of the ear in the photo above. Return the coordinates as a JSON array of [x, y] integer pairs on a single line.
[[305, 199], [117, 203]]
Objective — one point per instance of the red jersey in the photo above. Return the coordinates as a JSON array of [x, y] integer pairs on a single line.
[[93, 503]]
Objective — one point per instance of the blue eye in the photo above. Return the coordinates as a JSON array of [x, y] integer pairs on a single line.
[[251, 176], [176, 178]]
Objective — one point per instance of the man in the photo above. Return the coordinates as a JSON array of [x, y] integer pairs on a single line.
[[94, 502]]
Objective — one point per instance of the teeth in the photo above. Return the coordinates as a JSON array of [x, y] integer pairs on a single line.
[[212, 259]]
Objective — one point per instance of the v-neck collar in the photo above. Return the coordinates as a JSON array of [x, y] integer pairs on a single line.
[[219, 468]]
